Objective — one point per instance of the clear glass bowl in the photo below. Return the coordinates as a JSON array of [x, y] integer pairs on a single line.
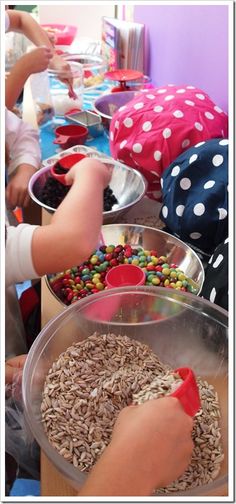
[[94, 68], [184, 330]]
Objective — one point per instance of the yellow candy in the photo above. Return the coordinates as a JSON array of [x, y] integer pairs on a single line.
[[178, 284]]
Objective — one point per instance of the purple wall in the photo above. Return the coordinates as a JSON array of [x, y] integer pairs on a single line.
[[188, 45]]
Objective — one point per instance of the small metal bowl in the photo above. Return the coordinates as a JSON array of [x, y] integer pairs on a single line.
[[91, 120], [127, 184]]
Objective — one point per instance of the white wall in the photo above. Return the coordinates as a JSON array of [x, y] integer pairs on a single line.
[[86, 17]]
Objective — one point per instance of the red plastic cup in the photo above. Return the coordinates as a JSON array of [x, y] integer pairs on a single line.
[[70, 135], [187, 392], [125, 274], [66, 163]]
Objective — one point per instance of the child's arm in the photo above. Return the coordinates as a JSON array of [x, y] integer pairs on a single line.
[[72, 235], [17, 187], [151, 446], [23, 144], [35, 61], [23, 22], [74, 230]]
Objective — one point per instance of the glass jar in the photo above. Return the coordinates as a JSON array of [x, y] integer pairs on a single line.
[[60, 90], [40, 90], [94, 68]]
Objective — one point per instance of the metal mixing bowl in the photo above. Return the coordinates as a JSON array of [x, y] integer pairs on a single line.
[[109, 103], [148, 238], [196, 338], [127, 184]]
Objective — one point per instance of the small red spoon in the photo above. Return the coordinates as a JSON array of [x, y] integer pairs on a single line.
[[187, 392], [71, 93]]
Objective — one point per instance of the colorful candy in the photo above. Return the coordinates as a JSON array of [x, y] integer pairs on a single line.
[[89, 277]]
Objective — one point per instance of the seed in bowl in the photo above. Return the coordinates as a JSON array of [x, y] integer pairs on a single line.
[[89, 277], [89, 384]]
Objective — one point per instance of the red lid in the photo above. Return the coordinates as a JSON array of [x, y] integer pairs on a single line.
[[123, 75]]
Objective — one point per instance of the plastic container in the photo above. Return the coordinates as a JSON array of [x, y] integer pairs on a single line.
[[64, 34], [94, 68], [43, 103], [196, 337], [59, 89]]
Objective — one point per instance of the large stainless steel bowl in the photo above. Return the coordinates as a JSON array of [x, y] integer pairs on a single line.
[[127, 184], [153, 239]]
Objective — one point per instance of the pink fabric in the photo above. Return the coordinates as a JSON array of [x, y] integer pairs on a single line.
[[159, 124]]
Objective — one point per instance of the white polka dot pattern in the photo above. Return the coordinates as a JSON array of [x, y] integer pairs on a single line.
[[157, 155], [147, 126], [222, 213], [164, 211], [122, 144], [218, 260], [175, 171], [193, 158], [185, 183], [160, 124], [209, 184], [138, 106], [195, 236], [180, 210], [137, 147], [158, 108], [128, 122], [217, 160], [213, 295], [166, 133], [178, 113], [199, 209], [185, 143]]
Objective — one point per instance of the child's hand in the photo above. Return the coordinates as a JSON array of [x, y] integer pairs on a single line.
[[13, 367], [17, 188], [156, 436], [93, 169], [37, 60], [62, 67]]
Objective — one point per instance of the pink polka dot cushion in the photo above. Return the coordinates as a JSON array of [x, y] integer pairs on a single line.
[[150, 131]]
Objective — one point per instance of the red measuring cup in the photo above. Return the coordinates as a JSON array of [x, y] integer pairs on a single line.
[[187, 392], [125, 274], [70, 135], [65, 163]]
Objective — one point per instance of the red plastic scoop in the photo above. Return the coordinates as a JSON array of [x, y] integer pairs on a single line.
[[187, 392], [64, 164], [125, 274]]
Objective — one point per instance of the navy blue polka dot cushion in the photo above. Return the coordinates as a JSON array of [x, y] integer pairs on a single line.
[[195, 195], [215, 287]]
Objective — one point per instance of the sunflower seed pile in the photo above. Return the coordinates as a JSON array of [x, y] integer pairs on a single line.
[[94, 379]]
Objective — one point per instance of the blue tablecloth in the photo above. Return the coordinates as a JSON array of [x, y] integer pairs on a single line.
[[101, 143], [25, 487]]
